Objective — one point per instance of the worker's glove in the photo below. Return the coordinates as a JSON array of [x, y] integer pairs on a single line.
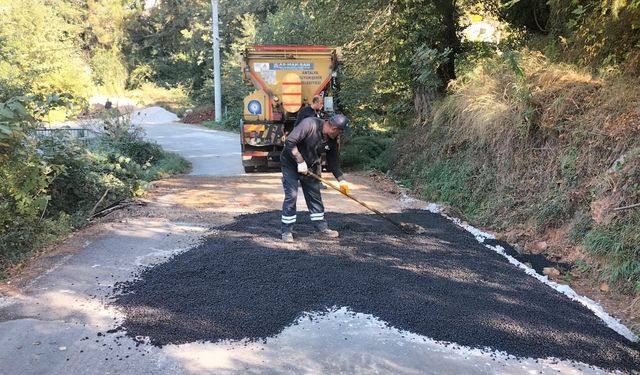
[[344, 187], [302, 168]]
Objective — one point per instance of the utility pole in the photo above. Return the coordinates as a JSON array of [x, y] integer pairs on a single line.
[[216, 60]]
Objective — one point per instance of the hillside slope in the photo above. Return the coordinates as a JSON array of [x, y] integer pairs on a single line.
[[545, 154]]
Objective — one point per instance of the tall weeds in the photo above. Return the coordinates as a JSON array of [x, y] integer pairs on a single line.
[[523, 141]]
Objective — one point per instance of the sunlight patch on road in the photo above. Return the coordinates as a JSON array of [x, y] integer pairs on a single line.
[[323, 343]]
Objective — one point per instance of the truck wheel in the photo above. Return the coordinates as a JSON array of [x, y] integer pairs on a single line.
[[249, 169]]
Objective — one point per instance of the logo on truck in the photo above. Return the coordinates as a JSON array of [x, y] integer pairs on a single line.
[[291, 66], [254, 107]]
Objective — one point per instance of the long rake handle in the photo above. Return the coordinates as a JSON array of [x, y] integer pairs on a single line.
[[397, 224]]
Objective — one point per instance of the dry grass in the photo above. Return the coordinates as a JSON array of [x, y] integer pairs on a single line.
[[546, 143], [598, 119]]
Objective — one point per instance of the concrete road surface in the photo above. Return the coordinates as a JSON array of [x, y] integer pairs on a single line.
[[211, 152], [55, 317]]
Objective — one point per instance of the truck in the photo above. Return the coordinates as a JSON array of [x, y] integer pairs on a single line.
[[285, 79]]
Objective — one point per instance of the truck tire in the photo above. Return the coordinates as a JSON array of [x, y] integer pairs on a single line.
[[249, 169]]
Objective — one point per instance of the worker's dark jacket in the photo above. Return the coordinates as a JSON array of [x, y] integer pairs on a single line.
[[303, 113], [305, 143]]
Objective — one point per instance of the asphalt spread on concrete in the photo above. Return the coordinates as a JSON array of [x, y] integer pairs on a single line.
[[244, 283]]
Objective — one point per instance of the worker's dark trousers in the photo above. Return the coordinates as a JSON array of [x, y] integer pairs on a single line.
[[311, 191]]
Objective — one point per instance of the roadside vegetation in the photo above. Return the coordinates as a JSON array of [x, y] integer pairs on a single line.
[[52, 183], [541, 142], [524, 143]]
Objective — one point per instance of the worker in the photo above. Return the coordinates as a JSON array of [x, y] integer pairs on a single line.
[[314, 110], [302, 152]]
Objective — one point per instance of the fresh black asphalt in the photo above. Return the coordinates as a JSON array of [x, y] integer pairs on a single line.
[[243, 283]]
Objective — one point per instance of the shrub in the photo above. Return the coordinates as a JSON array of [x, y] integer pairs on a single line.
[[367, 152], [24, 178], [49, 185]]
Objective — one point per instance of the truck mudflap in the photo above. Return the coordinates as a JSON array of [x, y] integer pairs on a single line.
[[261, 135]]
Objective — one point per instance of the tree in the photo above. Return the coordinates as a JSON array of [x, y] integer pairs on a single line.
[[380, 40], [37, 54]]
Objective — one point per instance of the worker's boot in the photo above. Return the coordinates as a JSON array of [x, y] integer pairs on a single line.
[[330, 233], [287, 237], [323, 230]]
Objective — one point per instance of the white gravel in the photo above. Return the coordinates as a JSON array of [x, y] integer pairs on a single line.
[[153, 115]]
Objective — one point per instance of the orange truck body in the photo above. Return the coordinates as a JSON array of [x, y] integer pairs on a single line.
[[285, 79]]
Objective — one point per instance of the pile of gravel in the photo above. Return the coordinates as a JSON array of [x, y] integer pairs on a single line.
[[153, 115], [243, 283]]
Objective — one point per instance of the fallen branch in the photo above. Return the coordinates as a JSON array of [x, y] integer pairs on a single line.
[[627, 207], [117, 206], [44, 211], [93, 210]]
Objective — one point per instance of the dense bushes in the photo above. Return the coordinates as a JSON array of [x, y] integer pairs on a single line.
[[367, 151], [48, 185]]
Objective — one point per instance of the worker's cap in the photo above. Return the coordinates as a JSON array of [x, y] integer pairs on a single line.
[[339, 121]]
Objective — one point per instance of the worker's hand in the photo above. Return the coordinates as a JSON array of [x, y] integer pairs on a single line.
[[344, 187], [303, 169]]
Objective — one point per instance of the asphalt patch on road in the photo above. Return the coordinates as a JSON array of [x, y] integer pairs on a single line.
[[244, 283], [536, 261]]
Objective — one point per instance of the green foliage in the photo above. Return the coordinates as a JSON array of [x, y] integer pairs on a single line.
[[453, 180], [141, 74], [554, 208], [427, 62], [50, 185], [619, 244], [170, 164], [233, 88], [533, 14], [582, 266], [290, 25], [120, 163], [109, 70], [174, 40], [65, 46], [24, 178], [134, 147], [15, 124], [580, 227], [568, 167], [512, 61], [597, 34], [367, 152], [36, 54]]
